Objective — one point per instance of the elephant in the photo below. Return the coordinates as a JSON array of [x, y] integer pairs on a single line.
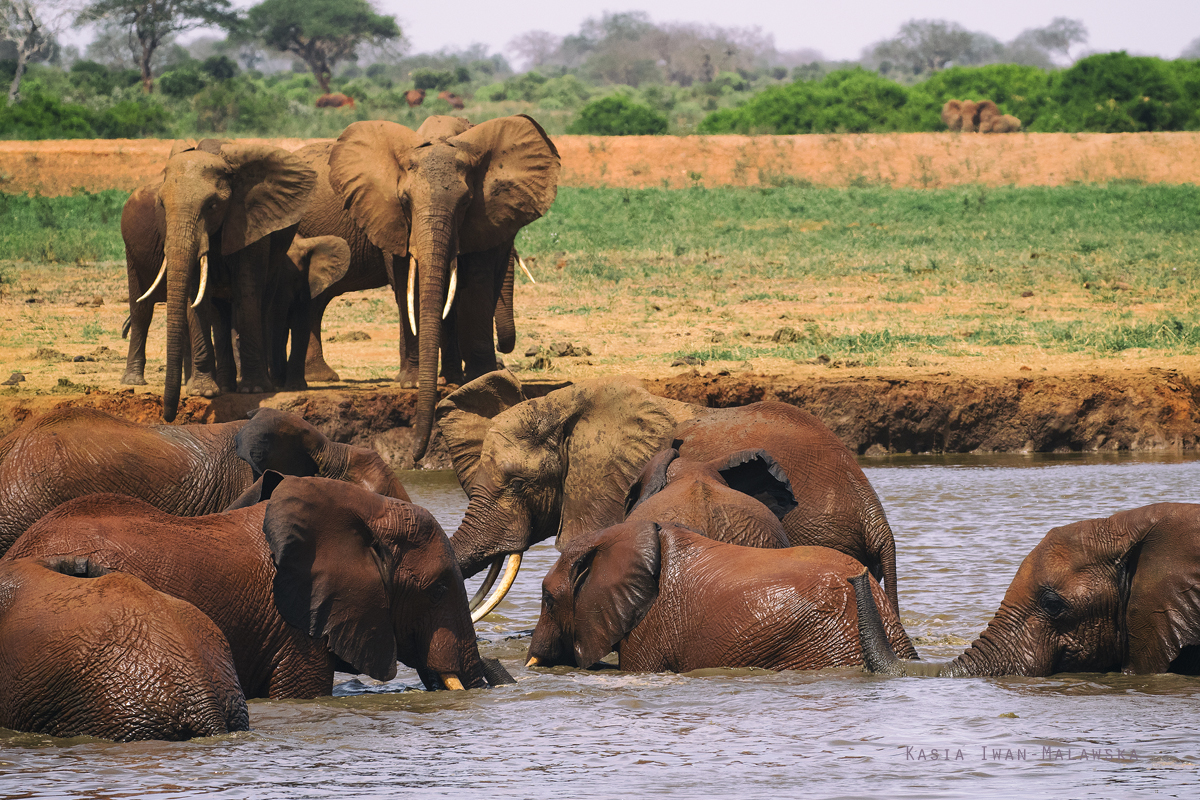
[[562, 465], [670, 599], [989, 119], [316, 575], [429, 211], [335, 100], [952, 116], [89, 652], [739, 499], [312, 266], [414, 97], [225, 214], [454, 100], [1101, 595], [186, 470]]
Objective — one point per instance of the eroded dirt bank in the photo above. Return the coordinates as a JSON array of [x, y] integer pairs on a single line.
[[875, 414]]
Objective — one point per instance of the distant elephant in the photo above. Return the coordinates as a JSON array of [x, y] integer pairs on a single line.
[[669, 599], [335, 100], [1102, 595], [86, 652], [562, 465], [228, 215], [186, 470], [988, 119], [312, 266], [423, 204], [318, 576], [414, 97], [739, 499], [454, 100], [952, 116]]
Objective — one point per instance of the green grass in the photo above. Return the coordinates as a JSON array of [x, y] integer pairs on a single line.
[[78, 229]]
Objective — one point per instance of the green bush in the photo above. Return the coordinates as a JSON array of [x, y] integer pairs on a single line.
[[618, 116], [1117, 92], [437, 79], [239, 106], [98, 79], [130, 119], [220, 68], [183, 82], [38, 116]]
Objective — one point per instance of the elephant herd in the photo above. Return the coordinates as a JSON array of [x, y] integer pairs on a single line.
[[248, 244], [153, 577]]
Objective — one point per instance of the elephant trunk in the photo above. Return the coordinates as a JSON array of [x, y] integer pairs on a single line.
[[506, 328], [185, 242], [433, 264], [878, 655]]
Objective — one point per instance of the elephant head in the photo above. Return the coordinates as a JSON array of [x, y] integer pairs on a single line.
[[952, 115], [1096, 596], [968, 111], [374, 575], [277, 440], [432, 198], [224, 196]]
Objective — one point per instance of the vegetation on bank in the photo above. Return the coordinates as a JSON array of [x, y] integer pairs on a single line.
[[870, 276]]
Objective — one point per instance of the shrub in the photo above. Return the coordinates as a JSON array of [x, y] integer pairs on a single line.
[[130, 119], [220, 68], [425, 78], [618, 116], [1116, 92], [182, 82], [39, 116]]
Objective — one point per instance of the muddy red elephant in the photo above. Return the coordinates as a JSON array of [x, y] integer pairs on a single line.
[[669, 599], [186, 470], [318, 575], [562, 466], [139, 664]]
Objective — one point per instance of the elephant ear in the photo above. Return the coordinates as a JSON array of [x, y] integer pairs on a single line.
[[465, 417], [652, 480], [277, 440], [756, 473], [260, 490], [328, 260], [614, 582], [182, 146], [1157, 549], [516, 179], [366, 168], [270, 187], [329, 573]]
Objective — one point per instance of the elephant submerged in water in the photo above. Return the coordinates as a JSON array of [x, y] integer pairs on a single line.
[[562, 466], [1102, 595], [89, 652], [669, 599]]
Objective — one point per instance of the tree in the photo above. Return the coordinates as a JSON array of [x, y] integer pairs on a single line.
[[152, 22], [320, 32], [1054, 39], [1192, 51], [31, 31], [928, 45]]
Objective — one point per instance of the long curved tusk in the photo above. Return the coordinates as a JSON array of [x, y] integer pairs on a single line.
[[510, 575], [525, 269], [486, 586], [203, 280], [157, 280], [453, 288], [451, 681], [412, 282], [532, 662]]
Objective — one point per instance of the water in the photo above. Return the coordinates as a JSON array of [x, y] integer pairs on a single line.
[[962, 527]]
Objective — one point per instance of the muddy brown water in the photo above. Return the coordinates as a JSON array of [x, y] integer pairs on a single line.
[[962, 527]]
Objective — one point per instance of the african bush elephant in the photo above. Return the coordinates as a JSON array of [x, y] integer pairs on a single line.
[[1102, 595], [224, 213], [739, 499], [186, 470], [88, 652], [989, 119], [426, 211], [669, 599], [562, 465], [312, 266], [961, 115], [319, 575]]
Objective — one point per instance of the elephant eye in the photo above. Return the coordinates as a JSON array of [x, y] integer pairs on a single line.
[[438, 591], [517, 485], [1052, 603], [547, 600]]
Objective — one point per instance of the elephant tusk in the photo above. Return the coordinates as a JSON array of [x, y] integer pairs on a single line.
[[451, 681], [157, 280], [525, 269], [412, 282], [203, 280], [452, 290], [510, 575], [486, 586], [532, 662]]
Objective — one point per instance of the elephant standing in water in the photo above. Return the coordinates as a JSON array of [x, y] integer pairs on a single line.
[[562, 466], [1119, 593], [434, 212], [218, 224], [670, 599], [321, 575], [185, 470], [86, 652]]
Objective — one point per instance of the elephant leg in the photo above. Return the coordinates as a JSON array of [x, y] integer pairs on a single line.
[[452, 369], [474, 307], [407, 377], [202, 380], [297, 326], [251, 270], [222, 338], [140, 317], [315, 368]]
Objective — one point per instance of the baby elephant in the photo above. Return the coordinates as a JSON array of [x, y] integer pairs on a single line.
[[740, 499], [85, 652], [669, 599]]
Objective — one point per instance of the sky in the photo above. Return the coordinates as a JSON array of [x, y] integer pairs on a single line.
[[840, 30]]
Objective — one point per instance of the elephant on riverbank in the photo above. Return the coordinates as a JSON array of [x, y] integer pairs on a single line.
[[669, 599], [185, 470], [89, 652], [1102, 595], [315, 575], [562, 466]]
